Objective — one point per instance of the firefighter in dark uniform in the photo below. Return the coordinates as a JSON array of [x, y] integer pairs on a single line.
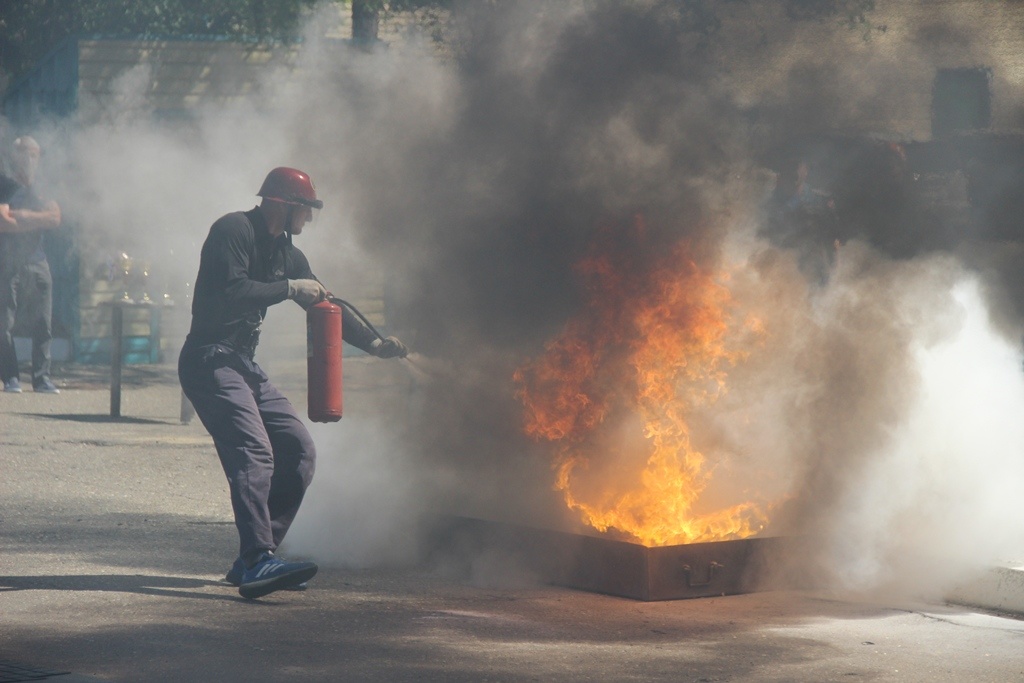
[[248, 263]]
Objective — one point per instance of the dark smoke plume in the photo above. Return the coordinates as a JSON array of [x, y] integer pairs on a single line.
[[564, 120]]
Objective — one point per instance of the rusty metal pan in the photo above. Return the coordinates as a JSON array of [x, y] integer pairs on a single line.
[[614, 567]]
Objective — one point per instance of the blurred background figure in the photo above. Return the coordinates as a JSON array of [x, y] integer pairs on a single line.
[[803, 218], [26, 286]]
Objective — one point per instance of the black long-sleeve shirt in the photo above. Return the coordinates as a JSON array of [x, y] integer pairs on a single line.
[[242, 271]]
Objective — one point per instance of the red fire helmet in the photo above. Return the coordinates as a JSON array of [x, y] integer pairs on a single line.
[[291, 186]]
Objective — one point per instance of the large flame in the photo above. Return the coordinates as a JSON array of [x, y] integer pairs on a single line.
[[614, 390]]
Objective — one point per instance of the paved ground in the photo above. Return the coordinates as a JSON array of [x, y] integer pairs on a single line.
[[115, 534]]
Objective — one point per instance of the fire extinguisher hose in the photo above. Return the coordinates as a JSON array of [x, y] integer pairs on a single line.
[[355, 311]]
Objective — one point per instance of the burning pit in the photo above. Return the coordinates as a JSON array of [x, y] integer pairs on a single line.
[[613, 399], [604, 565]]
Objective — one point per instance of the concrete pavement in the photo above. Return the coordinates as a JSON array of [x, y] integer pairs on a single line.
[[115, 535]]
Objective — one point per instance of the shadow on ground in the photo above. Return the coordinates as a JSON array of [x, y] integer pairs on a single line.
[[414, 632], [175, 544], [79, 376], [169, 586], [78, 417]]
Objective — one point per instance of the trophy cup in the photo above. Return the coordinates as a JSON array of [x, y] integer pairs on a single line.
[[124, 269], [142, 280]]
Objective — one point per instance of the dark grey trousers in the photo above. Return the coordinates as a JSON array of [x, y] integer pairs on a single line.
[[264, 447], [26, 298]]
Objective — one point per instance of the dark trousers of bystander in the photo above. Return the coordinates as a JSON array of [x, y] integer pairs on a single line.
[[265, 449], [26, 298]]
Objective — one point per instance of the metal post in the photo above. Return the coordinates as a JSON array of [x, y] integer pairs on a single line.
[[116, 352]]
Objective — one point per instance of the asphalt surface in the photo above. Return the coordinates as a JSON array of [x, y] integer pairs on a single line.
[[115, 534]]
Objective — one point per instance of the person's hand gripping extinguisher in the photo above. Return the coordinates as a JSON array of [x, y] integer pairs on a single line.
[[310, 292], [306, 292]]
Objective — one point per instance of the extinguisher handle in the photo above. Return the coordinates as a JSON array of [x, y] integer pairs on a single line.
[[355, 311]]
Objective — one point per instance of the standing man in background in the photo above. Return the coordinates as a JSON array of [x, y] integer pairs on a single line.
[[26, 286], [247, 264]]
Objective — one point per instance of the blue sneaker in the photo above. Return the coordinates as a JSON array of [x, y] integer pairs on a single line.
[[234, 577], [270, 574], [12, 386]]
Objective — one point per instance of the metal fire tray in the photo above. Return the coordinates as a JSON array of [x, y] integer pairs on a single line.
[[612, 567]]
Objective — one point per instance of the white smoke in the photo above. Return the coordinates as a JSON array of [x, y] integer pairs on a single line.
[[365, 505], [135, 183], [938, 499], [879, 417]]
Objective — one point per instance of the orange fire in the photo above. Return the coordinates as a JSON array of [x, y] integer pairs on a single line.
[[614, 390]]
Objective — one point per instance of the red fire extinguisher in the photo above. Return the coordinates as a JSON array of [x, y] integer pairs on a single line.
[[323, 361]]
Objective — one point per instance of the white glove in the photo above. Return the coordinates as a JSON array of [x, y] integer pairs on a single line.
[[306, 292], [389, 348]]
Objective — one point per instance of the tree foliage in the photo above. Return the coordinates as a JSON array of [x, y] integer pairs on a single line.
[[30, 28]]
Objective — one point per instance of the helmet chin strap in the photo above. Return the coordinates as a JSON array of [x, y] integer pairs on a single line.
[[288, 222]]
